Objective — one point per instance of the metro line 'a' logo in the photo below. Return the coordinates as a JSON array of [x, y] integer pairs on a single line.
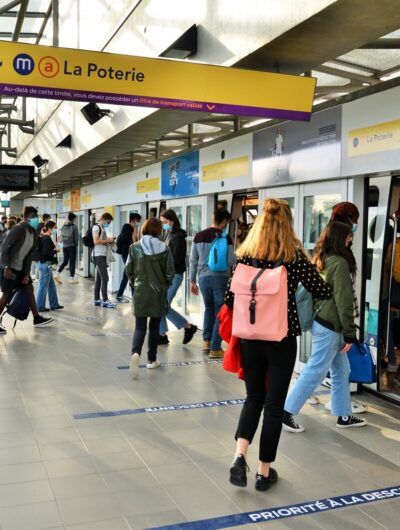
[[23, 64]]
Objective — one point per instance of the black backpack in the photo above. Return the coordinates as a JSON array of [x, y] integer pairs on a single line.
[[18, 307], [87, 239]]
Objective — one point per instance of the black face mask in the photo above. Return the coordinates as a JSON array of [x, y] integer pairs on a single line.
[[350, 245]]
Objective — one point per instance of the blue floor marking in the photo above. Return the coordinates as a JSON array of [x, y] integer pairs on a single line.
[[162, 408], [286, 512], [177, 363]]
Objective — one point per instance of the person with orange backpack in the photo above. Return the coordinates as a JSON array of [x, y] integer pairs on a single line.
[[271, 262]]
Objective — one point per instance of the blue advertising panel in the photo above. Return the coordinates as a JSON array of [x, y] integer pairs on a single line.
[[180, 176]]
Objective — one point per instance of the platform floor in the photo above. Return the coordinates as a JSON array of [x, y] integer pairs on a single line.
[[141, 470]]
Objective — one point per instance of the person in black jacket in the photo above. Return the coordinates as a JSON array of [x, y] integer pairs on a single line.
[[47, 258], [175, 238], [128, 235], [15, 263]]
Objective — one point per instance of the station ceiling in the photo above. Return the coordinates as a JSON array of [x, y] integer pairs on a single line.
[[348, 46]]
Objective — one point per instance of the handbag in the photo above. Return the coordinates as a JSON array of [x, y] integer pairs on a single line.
[[110, 255], [363, 369], [260, 310]]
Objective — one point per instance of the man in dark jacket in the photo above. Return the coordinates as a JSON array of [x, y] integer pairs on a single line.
[[128, 235], [15, 263]]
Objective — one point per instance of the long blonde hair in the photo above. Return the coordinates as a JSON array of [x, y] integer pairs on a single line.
[[272, 236]]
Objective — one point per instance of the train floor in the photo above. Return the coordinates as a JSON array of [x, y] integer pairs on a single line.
[[84, 447]]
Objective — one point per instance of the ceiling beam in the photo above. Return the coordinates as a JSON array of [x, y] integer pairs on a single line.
[[382, 44], [20, 19], [371, 80], [9, 6]]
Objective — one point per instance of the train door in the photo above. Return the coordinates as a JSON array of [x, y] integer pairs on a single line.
[[287, 193], [244, 211], [381, 316], [192, 214], [315, 204]]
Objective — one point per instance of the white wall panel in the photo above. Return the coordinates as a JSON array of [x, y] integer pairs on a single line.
[[226, 165]]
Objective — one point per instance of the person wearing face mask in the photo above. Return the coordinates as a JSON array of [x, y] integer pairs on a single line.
[[212, 284], [70, 241], [15, 263], [128, 236], [333, 331], [175, 238], [47, 258], [101, 240]]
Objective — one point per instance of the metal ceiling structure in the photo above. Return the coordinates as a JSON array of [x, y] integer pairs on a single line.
[[345, 56]]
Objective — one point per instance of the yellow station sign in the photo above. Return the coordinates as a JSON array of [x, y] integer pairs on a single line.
[[62, 73]]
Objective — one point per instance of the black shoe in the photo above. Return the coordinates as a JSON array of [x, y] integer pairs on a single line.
[[44, 310], [264, 483], [163, 339], [347, 422], [188, 334], [57, 307], [3, 330], [289, 424], [40, 321], [238, 470]]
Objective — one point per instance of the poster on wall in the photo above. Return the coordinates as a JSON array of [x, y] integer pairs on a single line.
[[371, 134], [180, 176], [293, 152]]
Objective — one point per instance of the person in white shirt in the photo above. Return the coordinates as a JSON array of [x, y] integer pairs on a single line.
[[101, 240]]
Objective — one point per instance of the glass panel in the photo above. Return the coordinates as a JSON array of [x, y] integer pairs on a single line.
[[317, 209], [193, 225]]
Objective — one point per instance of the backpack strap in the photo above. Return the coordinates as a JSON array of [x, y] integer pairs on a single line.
[[253, 289]]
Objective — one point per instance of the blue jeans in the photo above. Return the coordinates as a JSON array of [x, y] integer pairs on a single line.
[[325, 357], [173, 316], [46, 286], [212, 289]]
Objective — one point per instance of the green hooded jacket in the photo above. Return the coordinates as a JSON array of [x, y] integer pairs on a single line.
[[150, 269], [337, 313]]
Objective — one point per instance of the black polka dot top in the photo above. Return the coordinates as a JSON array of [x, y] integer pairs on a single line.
[[298, 271]]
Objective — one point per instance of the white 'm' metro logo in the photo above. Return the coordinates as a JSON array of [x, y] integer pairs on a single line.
[[23, 64]]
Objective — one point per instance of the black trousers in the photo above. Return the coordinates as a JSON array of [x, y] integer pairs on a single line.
[[69, 256], [268, 368], [140, 334]]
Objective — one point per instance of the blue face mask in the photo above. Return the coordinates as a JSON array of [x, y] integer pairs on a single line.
[[54, 231], [354, 228], [34, 222], [106, 225], [166, 227]]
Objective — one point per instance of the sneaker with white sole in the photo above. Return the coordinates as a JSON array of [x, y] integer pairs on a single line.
[[39, 321], [97, 303], [391, 368], [313, 400], [348, 422], [152, 365], [121, 299], [134, 366], [108, 304], [289, 424], [73, 281], [356, 407]]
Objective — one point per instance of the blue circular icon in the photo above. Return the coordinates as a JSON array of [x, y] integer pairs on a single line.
[[356, 141], [23, 64]]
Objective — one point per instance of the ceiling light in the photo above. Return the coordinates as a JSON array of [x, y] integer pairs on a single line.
[[39, 161]]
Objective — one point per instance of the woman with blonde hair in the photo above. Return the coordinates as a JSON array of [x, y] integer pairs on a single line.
[[268, 365]]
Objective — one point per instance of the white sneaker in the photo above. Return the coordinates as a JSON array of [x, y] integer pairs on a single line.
[[134, 366], [313, 400], [154, 364], [356, 407], [72, 280]]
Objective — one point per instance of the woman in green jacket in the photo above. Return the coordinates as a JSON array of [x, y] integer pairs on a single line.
[[333, 331], [150, 269]]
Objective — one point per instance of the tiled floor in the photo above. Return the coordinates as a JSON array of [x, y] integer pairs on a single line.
[[146, 470]]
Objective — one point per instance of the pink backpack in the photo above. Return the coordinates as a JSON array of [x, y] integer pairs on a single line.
[[260, 310]]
